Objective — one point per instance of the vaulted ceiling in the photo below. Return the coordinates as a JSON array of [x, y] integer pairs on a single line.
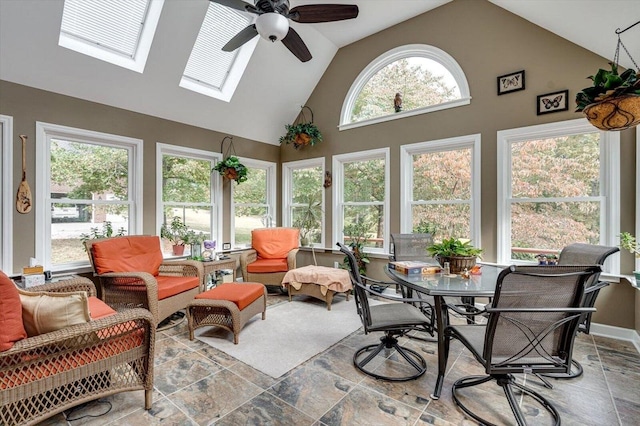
[[275, 84]]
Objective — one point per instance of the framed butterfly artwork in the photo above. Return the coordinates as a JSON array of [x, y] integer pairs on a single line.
[[511, 82], [553, 102]]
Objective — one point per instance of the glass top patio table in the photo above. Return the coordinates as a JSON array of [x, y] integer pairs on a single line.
[[439, 286]]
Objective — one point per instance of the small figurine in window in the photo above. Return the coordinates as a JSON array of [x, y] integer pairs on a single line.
[[397, 102]]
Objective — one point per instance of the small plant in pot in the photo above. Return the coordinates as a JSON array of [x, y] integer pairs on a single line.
[[232, 169], [632, 245], [176, 232], [357, 233], [458, 252], [195, 239]]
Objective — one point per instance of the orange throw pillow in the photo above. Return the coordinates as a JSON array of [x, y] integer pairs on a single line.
[[275, 243], [11, 326]]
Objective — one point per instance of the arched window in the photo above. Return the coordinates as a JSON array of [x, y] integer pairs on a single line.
[[405, 81]]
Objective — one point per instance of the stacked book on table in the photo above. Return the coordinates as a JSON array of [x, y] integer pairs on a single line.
[[412, 267]]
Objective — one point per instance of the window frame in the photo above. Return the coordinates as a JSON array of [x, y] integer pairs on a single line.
[[135, 63], [338, 162], [411, 50], [637, 260], [407, 152], [287, 190], [271, 195], [163, 149], [609, 172], [7, 201], [47, 131]]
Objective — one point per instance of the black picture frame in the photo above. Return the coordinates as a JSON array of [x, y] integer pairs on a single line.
[[552, 102], [512, 82], [226, 246]]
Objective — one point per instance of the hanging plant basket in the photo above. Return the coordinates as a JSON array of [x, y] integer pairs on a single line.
[[302, 133], [618, 113], [231, 168]]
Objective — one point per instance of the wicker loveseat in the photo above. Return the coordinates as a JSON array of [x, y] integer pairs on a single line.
[[46, 374], [133, 273]]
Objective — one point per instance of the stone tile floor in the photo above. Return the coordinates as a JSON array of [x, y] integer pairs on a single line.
[[198, 385]]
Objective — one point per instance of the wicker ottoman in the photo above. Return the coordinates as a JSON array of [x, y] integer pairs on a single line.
[[228, 305]]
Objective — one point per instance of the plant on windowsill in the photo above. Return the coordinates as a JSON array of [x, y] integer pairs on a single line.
[[105, 232], [628, 242], [175, 232], [232, 169], [357, 233], [458, 252], [195, 240]]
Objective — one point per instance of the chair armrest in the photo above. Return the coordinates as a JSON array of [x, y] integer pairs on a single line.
[[291, 258], [126, 290], [182, 268], [390, 297], [247, 257], [596, 287], [67, 285], [75, 336]]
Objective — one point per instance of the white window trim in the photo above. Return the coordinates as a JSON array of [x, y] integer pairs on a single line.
[[6, 215], [406, 178], [270, 167], [637, 193], [216, 185], [139, 60], [287, 190], [401, 52], [609, 170], [338, 192], [44, 133]]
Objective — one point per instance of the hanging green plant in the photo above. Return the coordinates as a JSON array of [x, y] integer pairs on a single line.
[[232, 169], [302, 132]]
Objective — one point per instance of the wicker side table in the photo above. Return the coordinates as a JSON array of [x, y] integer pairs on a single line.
[[211, 266]]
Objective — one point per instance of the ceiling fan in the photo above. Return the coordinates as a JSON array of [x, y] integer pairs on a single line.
[[272, 22]]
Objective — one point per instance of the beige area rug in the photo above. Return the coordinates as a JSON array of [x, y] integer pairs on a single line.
[[292, 333]]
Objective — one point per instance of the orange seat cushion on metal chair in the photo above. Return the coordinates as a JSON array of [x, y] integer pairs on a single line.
[[242, 294]]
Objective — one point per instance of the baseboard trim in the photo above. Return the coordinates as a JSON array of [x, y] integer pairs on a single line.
[[628, 334]]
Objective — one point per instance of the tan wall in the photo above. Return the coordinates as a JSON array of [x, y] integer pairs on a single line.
[[27, 105], [486, 41]]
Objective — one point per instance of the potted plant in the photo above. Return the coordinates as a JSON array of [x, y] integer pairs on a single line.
[[175, 232], [357, 233], [458, 252], [613, 101], [630, 243], [195, 239], [301, 135], [309, 218], [232, 169]]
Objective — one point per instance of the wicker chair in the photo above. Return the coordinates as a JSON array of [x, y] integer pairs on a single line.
[[144, 279], [102, 357], [273, 253]]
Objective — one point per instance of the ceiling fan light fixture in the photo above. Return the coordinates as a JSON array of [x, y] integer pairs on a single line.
[[272, 26]]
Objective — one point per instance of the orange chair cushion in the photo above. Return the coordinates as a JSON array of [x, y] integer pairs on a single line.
[[262, 266], [275, 243], [98, 309], [135, 253], [242, 294], [170, 286], [12, 328]]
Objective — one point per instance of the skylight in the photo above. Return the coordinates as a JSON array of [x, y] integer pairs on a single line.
[[115, 31], [210, 71]]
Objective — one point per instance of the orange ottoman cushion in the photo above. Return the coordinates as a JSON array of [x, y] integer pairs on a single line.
[[242, 294]]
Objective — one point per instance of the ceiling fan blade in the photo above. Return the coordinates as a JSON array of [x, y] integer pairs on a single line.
[[237, 4], [295, 44], [314, 13], [241, 38]]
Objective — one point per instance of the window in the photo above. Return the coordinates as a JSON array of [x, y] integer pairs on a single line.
[[116, 31], [88, 179], [253, 201], [210, 71], [361, 196], [558, 184], [6, 199], [441, 186], [426, 78], [303, 198], [188, 189]]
